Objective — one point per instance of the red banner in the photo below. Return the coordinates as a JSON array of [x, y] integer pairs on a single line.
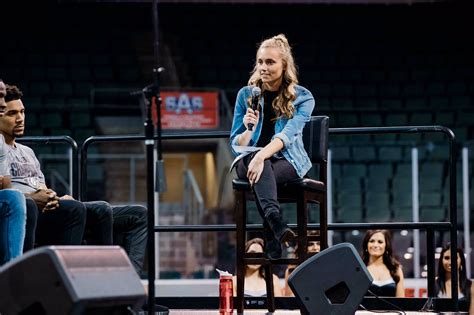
[[188, 110]]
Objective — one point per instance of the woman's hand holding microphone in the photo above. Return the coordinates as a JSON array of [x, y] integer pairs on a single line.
[[251, 119]]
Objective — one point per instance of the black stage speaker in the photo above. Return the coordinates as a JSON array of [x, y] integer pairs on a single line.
[[331, 282], [70, 280]]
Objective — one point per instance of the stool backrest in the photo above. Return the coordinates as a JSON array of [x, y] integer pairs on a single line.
[[315, 138]]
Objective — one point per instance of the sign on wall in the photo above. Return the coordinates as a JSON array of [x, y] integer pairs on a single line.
[[188, 110]]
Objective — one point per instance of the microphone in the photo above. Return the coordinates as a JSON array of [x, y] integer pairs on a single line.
[[254, 103], [146, 89]]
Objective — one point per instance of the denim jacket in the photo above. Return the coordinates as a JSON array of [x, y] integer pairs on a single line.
[[290, 131]]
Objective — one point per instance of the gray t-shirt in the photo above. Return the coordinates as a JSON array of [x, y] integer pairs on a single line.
[[22, 165], [4, 169]]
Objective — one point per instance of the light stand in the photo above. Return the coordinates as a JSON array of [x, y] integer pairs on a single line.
[[152, 94]]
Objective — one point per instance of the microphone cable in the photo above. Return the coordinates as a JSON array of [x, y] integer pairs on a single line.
[[399, 310]]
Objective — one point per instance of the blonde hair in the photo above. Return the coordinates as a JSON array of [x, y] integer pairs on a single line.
[[283, 103]]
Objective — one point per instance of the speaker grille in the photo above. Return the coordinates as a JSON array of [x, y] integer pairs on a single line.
[[93, 257]]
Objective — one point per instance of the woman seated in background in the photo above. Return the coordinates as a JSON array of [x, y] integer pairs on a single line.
[[314, 247], [384, 268], [443, 278], [255, 284]]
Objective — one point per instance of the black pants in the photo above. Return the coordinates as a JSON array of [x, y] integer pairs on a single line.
[[275, 171], [62, 226], [99, 224], [31, 222], [125, 226]]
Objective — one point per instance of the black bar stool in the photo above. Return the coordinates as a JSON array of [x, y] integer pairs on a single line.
[[301, 192]]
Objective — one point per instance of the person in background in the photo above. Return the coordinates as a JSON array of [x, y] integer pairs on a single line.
[[313, 248], [471, 303], [255, 284], [385, 269], [62, 220], [12, 204], [12, 222], [276, 126], [59, 222], [443, 278]]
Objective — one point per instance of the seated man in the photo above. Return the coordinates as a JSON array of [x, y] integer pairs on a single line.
[[12, 205], [129, 222], [59, 222]]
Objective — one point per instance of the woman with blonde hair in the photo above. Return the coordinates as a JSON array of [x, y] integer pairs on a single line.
[[275, 127]]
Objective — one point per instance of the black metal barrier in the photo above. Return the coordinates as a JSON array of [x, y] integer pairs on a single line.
[[165, 136], [75, 157], [430, 227]]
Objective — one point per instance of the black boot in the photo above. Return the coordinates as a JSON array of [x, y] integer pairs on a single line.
[[281, 230], [273, 248]]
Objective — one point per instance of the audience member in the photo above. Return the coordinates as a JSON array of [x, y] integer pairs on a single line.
[[255, 284], [129, 222], [275, 126], [313, 248], [12, 204], [443, 278], [384, 268], [12, 224], [60, 222]]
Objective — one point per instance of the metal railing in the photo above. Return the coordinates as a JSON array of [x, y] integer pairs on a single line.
[[133, 160], [428, 226], [73, 161], [193, 206], [128, 138]]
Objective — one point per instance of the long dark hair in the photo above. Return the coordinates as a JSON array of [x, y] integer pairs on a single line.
[[388, 259], [259, 241], [464, 283]]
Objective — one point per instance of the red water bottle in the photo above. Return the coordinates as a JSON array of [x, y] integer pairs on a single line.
[[226, 293]]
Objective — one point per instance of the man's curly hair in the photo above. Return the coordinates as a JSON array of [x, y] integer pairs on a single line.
[[13, 93]]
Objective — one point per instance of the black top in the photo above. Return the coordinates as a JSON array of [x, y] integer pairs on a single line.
[[388, 289], [268, 127], [462, 296]]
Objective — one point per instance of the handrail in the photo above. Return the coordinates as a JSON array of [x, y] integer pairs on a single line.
[[125, 138], [336, 131], [311, 226], [193, 193], [393, 129], [430, 227], [55, 175], [76, 180], [193, 205], [452, 187]]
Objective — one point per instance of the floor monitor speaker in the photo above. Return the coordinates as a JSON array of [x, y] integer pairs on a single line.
[[332, 282], [70, 280]]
